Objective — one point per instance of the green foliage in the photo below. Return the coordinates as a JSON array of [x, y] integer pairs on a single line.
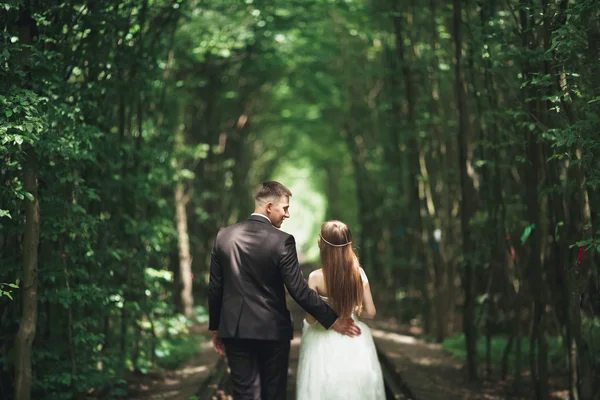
[[102, 196], [6, 289], [174, 343], [121, 104], [527, 233], [456, 347]]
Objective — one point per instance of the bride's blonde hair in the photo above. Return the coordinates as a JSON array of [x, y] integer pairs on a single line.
[[340, 268]]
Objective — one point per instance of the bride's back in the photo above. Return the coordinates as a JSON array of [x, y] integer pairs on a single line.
[[340, 273], [317, 281]]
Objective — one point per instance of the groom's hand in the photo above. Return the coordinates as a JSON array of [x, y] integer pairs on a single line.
[[218, 344], [346, 327]]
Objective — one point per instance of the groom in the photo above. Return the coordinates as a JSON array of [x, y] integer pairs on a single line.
[[251, 262]]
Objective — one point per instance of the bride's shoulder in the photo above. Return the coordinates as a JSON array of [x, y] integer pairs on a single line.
[[363, 275], [315, 278], [316, 274]]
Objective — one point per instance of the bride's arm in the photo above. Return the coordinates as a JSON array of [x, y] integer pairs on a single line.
[[368, 310], [312, 283]]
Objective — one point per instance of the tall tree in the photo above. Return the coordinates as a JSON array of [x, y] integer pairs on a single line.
[[27, 328], [468, 274]]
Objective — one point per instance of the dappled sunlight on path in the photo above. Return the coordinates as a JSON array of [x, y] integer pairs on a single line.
[[426, 369], [394, 337], [432, 374]]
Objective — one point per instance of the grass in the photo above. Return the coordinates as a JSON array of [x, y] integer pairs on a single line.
[[456, 347], [556, 355]]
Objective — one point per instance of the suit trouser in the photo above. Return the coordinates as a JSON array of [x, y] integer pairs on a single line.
[[259, 368]]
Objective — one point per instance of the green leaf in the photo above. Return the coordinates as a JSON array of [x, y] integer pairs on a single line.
[[19, 139], [527, 233], [594, 100], [187, 174], [93, 195], [5, 213], [14, 286], [29, 196]]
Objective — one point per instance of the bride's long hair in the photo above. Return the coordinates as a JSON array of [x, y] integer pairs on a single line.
[[340, 268]]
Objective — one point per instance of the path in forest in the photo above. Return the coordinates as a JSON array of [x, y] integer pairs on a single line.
[[425, 368], [427, 371], [179, 384]]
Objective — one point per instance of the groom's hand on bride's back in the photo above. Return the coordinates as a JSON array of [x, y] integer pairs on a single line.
[[346, 327]]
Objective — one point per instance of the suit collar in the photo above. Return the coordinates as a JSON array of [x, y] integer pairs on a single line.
[[259, 218]]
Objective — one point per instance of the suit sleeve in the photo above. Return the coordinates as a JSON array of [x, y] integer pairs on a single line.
[[298, 288], [215, 291]]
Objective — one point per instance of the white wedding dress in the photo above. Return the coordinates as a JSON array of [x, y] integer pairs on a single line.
[[337, 367]]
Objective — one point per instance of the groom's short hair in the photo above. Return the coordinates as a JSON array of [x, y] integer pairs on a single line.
[[270, 190]]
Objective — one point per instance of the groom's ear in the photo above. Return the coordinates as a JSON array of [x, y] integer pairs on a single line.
[[269, 206]]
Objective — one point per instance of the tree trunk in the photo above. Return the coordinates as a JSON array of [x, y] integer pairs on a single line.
[[534, 274], [184, 291], [443, 301], [27, 329], [395, 158], [334, 205], [581, 365], [578, 278], [504, 361], [518, 349], [468, 275], [420, 236]]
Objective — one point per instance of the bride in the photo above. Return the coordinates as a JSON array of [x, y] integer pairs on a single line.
[[333, 366]]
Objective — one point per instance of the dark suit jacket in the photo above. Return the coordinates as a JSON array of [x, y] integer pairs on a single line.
[[251, 261]]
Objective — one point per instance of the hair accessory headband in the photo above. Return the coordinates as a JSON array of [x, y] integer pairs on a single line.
[[334, 245]]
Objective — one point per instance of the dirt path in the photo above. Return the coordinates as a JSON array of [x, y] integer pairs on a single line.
[[180, 384], [433, 374]]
